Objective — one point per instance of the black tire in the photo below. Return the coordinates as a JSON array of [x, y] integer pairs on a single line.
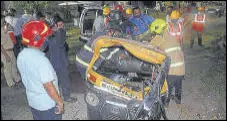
[[156, 111]]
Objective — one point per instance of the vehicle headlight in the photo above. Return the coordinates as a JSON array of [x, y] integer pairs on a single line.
[[92, 99]]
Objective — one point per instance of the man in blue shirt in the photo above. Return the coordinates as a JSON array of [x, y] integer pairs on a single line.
[[58, 56], [142, 23], [38, 75]]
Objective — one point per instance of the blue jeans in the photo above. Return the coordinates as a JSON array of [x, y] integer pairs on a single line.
[[46, 115]]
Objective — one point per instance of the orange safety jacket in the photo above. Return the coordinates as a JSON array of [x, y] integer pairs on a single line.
[[198, 24], [178, 32]]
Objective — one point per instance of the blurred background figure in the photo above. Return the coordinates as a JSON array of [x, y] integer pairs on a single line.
[[8, 58]]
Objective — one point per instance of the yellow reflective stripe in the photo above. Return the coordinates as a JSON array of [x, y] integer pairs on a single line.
[[172, 49], [177, 33], [45, 29], [103, 50], [203, 21], [87, 48], [25, 40], [176, 64], [83, 62], [111, 53]]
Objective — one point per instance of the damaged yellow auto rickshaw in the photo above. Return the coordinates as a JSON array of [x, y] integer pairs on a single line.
[[125, 79]]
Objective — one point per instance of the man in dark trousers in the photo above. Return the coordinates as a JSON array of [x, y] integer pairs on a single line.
[[58, 56]]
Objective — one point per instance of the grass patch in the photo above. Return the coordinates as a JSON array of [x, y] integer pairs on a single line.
[[73, 35]]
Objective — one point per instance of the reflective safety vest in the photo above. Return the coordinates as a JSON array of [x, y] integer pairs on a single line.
[[176, 32], [200, 18], [198, 23], [172, 49]]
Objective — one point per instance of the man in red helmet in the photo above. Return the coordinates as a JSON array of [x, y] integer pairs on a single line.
[[38, 75]]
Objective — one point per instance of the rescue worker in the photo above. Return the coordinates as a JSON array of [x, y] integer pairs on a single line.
[[171, 47], [175, 26], [98, 25], [119, 7], [128, 13], [129, 26], [106, 12], [16, 23], [142, 22], [58, 56], [38, 75], [198, 26], [8, 58]]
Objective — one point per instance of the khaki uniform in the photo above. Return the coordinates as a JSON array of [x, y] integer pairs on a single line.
[[172, 48], [176, 73], [10, 69]]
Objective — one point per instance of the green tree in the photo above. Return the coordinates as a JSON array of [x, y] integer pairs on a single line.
[[32, 5]]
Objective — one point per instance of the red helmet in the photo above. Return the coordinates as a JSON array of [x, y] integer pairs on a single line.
[[35, 32], [119, 7]]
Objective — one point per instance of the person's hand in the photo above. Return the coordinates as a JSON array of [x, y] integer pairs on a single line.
[[5, 28], [135, 28], [60, 108]]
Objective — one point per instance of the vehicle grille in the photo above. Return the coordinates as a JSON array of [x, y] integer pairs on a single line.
[[113, 112]]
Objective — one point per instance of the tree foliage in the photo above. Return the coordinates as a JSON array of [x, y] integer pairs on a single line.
[[31, 5]]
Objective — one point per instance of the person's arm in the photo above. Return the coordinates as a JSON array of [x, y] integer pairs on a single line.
[[5, 54], [47, 77], [150, 19], [52, 92]]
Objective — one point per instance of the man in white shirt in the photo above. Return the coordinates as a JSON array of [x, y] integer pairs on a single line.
[[38, 75]]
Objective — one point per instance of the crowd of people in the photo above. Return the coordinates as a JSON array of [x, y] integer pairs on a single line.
[[34, 50]]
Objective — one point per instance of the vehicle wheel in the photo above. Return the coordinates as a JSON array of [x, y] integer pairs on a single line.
[[155, 112]]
